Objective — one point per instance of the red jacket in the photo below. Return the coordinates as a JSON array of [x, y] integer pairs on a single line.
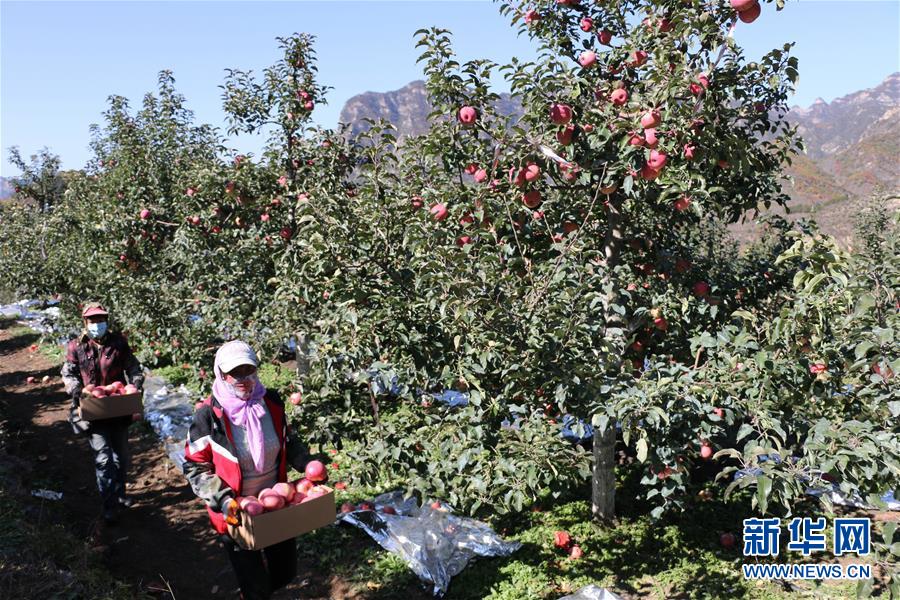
[[211, 463]]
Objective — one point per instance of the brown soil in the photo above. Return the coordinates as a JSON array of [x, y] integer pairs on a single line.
[[163, 545]]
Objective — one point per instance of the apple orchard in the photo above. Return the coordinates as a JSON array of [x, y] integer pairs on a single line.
[[568, 260]]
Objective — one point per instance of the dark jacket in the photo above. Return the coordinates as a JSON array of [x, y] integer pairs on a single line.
[[101, 363], [211, 465]]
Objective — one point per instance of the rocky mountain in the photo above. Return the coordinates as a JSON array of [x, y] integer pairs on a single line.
[[852, 144], [853, 140], [407, 108]]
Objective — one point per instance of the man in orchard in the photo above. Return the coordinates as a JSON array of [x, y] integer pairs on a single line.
[[100, 357]]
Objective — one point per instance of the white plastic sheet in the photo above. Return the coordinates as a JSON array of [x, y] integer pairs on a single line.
[[169, 411], [435, 543], [592, 592]]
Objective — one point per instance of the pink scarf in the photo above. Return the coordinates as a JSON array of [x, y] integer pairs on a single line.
[[244, 413]]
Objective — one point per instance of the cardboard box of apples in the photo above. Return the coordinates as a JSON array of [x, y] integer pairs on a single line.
[[285, 510], [107, 401]]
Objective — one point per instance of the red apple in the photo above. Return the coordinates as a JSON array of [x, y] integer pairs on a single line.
[[264, 217], [727, 540], [315, 471], [562, 539], [463, 240], [531, 198], [742, 5], [636, 140], [296, 398], [389, 510], [706, 452], [254, 508], [439, 211], [32, 347], [689, 150], [468, 115], [650, 137], [650, 119], [695, 88], [703, 79], [145, 214], [587, 58], [365, 505], [532, 172], [285, 490], [243, 501], [347, 507], [531, 16], [272, 502], [661, 323], [619, 97], [649, 173], [657, 160], [30, 380], [638, 58], [605, 37], [586, 23], [575, 553], [701, 288], [286, 233], [751, 14], [480, 175], [436, 505], [417, 201], [560, 113], [303, 486], [565, 135], [682, 203]]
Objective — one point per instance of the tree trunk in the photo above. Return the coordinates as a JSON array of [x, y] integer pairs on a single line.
[[302, 354], [603, 482]]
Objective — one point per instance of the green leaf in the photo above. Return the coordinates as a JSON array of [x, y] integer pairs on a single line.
[[642, 449], [763, 487], [745, 430]]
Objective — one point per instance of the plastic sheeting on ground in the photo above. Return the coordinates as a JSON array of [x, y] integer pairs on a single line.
[[169, 411], [592, 592], [435, 543], [40, 319]]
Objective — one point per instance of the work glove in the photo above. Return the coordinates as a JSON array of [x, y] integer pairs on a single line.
[[231, 510]]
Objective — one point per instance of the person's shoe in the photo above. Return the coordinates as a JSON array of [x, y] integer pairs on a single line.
[[126, 502]]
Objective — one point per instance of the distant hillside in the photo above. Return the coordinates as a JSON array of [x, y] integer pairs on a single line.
[[7, 188], [852, 145]]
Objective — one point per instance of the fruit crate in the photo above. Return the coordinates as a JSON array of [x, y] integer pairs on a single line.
[[259, 531], [93, 408]]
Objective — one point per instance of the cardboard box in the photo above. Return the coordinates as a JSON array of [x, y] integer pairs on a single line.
[[107, 407], [255, 533]]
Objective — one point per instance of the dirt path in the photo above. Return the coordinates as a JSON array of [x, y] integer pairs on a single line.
[[164, 541]]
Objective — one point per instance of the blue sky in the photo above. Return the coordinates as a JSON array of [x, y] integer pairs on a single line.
[[59, 61]]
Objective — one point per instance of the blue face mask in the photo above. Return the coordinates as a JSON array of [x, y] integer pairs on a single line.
[[96, 330]]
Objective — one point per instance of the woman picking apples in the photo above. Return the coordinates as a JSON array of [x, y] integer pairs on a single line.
[[238, 445], [101, 357]]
